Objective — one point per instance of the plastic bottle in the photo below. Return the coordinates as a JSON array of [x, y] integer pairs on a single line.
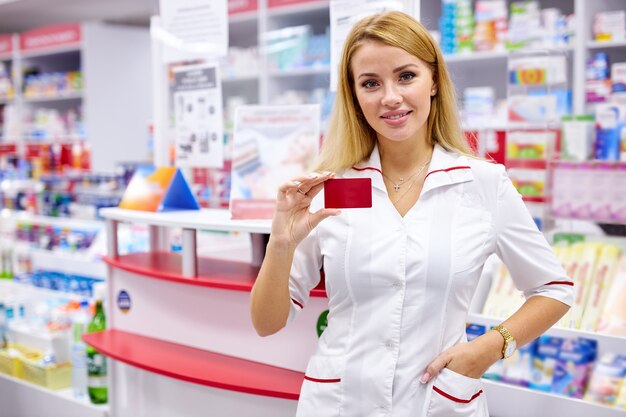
[[79, 352], [96, 362]]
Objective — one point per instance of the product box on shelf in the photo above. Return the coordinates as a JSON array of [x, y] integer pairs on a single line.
[[618, 203], [613, 318], [51, 376], [609, 25], [607, 379], [610, 129], [578, 136], [10, 363]]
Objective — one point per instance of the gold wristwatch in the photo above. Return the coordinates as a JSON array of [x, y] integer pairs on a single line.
[[509, 341]]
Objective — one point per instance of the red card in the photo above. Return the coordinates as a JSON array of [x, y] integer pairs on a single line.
[[348, 193]]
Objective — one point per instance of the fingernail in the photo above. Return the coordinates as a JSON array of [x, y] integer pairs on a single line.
[[425, 378]]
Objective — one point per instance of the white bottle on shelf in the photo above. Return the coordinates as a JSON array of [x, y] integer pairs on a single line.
[[79, 352]]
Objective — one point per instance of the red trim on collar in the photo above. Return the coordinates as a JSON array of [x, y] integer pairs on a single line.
[[324, 381], [299, 304], [455, 399], [447, 169], [366, 168], [560, 283]]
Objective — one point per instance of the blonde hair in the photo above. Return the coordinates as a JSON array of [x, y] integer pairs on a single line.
[[350, 139]]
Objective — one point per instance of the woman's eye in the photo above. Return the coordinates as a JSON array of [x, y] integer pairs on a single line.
[[407, 76], [369, 84]]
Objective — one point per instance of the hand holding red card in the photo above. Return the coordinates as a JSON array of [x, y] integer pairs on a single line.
[[348, 193]]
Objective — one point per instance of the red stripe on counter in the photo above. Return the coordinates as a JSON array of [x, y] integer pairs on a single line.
[[560, 283]]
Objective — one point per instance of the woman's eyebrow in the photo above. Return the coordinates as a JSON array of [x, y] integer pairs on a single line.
[[400, 68]]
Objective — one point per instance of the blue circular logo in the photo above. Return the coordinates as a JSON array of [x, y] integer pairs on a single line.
[[123, 301]]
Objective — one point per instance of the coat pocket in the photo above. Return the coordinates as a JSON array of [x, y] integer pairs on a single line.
[[457, 395], [321, 388]]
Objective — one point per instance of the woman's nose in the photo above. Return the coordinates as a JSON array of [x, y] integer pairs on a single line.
[[392, 96]]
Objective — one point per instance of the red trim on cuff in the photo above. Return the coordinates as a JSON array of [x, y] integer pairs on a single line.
[[299, 304], [322, 381], [455, 399], [447, 169], [560, 283]]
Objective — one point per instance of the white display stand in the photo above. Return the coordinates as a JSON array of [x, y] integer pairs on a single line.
[[188, 319]]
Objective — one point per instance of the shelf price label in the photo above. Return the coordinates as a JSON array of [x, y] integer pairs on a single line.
[[51, 37], [6, 44]]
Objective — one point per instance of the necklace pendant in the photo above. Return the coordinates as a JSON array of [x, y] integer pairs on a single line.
[[396, 187]]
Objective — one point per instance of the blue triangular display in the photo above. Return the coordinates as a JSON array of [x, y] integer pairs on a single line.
[[178, 195]]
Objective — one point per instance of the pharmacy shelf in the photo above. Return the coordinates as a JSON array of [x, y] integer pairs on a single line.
[[23, 216], [55, 97], [74, 48], [77, 263], [4, 100], [212, 273], [606, 44], [19, 397], [37, 293], [500, 55], [513, 401], [298, 72], [205, 219], [197, 366], [302, 7], [476, 56], [607, 343], [596, 220]]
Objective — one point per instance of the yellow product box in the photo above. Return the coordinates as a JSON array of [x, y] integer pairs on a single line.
[[48, 376], [503, 298], [599, 287], [613, 318], [582, 281], [10, 362]]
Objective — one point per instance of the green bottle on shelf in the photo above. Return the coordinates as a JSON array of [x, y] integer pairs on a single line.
[[97, 362]]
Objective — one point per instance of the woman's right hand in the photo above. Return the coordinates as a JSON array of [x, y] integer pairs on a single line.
[[292, 220]]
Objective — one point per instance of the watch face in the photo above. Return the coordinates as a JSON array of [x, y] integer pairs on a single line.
[[510, 349]]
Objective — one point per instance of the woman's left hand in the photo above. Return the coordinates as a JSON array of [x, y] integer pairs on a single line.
[[471, 359]]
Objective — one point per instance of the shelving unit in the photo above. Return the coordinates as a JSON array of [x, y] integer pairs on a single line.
[[113, 61]]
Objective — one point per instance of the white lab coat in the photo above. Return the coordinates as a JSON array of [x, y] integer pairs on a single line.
[[399, 288]]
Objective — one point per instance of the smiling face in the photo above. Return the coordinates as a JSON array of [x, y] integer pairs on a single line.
[[394, 90]]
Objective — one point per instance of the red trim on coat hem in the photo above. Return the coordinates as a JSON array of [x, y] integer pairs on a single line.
[[366, 168], [296, 302], [560, 283], [448, 169], [322, 381], [455, 399]]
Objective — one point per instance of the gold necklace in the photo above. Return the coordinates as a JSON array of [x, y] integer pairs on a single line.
[[397, 185]]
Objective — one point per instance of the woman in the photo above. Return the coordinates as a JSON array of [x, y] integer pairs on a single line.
[[400, 276]]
